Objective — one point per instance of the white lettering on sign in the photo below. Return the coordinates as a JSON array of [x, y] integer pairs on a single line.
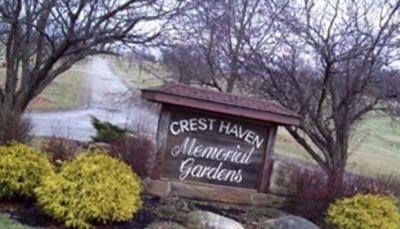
[[240, 133], [193, 124], [228, 128], [190, 148], [188, 167], [193, 149]]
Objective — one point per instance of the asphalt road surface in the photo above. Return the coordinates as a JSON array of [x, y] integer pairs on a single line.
[[108, 99]]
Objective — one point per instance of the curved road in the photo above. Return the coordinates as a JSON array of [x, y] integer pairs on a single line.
[[109, 99]]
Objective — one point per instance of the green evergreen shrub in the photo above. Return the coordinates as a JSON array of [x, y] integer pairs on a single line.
[[364, 211], [94, 187], [106, 131], [21, 170]]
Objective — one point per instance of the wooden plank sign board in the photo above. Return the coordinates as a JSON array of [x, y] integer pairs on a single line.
[[215, 146], [214, 149]]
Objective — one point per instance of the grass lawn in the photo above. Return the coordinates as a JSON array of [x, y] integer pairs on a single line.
[[139, 74], [7, 223], [374, 148], [64, 93]]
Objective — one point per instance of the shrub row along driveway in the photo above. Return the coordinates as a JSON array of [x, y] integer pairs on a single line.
[[108, 99]]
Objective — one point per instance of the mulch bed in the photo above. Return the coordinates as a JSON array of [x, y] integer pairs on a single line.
[[154, 209], [29, 214]]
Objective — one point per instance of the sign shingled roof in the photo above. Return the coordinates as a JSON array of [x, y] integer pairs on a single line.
[[226, 103]]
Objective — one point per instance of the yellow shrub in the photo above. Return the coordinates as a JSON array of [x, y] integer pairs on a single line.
[[93, 187], [364, 212], [21, 170]]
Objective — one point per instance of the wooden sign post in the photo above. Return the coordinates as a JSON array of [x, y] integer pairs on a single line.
[[216, 139]]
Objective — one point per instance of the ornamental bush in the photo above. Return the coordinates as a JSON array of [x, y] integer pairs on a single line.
[[135, 151], [21, 170], [364, 211], [92, 188]]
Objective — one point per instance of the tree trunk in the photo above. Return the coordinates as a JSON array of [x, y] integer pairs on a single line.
[[6, 106], [231, 82], [335, 184], [339, 154], [18, 105]]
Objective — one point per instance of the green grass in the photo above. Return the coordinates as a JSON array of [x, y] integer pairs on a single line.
[[285, 145], [65, 92], [7, 223], [142, 75], [374, 147]]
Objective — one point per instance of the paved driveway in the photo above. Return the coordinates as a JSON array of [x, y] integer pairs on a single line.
[[109, 99]]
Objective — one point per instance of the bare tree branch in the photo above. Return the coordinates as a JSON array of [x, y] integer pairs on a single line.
[[45, 38]]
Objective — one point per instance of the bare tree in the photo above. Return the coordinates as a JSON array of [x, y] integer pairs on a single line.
[[333, 65], [188, 65], [210, 40], [45, 38]]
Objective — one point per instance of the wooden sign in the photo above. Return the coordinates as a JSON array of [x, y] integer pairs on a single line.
[[214, 149], [214, 146]]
